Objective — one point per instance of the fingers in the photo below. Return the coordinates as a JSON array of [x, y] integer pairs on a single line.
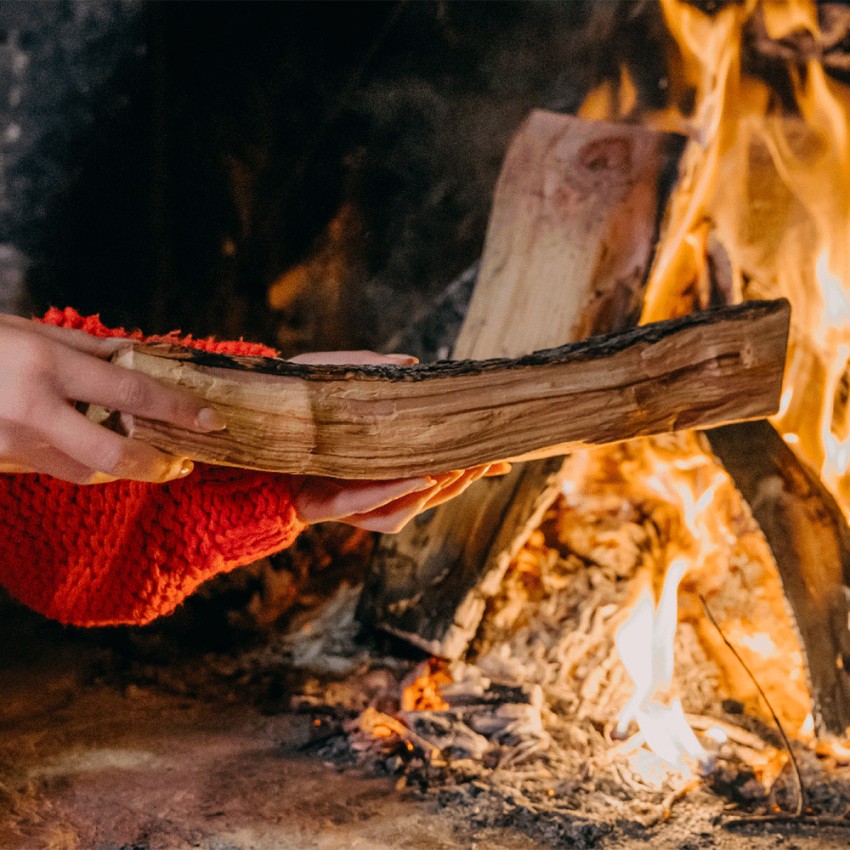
[[353, 358], [79, 340], [82, 378], [327, 499], [45, 371], [59, 465], [392, 517], [96, 448], [26, 451], [454, 488], [383, 506]]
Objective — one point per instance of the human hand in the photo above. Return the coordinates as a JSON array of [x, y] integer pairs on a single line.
[[385, 506], [46, 370]]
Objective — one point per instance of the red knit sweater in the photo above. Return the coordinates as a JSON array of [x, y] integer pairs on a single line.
[[127, 552]]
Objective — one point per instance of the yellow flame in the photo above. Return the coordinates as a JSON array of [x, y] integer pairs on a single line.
[[646, 641], [774, 187], [771, 186]]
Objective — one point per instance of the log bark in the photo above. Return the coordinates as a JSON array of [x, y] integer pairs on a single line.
[[576, 215], [383, 422], [810, 541]]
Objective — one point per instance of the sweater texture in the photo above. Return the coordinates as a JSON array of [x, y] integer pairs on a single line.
[[127, 552]]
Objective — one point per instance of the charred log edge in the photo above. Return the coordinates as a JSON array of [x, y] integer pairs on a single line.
[[593, 348], [763, 54], [810, 541]]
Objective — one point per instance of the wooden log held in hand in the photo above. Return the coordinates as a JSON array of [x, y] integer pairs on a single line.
[[395, 422]]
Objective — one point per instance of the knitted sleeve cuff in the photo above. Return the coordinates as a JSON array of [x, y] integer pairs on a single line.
[[127, 552]]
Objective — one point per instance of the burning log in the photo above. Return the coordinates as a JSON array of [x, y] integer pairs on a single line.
[[392, 421], [810, 541], [574, 195], [770, 178]]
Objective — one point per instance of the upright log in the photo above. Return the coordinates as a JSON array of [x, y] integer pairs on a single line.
[[575, 220], [810, 541]]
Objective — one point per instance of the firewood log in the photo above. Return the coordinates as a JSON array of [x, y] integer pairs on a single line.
[[383, 422], [810, 541]]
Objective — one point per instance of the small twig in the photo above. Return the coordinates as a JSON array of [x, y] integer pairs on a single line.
[[798, 778], [663, 811], [735, 734], [801, 819]]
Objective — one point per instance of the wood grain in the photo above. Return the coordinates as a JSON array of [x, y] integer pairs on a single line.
[[390, 422]]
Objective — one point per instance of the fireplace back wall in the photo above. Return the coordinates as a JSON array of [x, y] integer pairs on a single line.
[[171, 164]]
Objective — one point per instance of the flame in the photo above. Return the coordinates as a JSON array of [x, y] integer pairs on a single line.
[[646, 641], [774, 187], [663, 727], [421, 690], [767, 179], [767, 183]]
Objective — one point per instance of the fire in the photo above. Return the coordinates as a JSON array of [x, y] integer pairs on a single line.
[[663, 727], [646, 641], [766, 180], [766, 186], [774, 187], [421, 689]]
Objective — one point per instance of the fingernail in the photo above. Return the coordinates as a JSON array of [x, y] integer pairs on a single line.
[[403, 359], [422, 483], [175, 468], [209, 419]]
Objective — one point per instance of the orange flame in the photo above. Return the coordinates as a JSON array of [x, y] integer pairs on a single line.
[[775, 189], [771, 187]]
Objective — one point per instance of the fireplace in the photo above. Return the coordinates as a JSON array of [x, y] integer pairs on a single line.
[[642, 642]]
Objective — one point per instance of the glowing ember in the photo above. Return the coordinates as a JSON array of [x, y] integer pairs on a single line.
[[376, 724], [421, 690]]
